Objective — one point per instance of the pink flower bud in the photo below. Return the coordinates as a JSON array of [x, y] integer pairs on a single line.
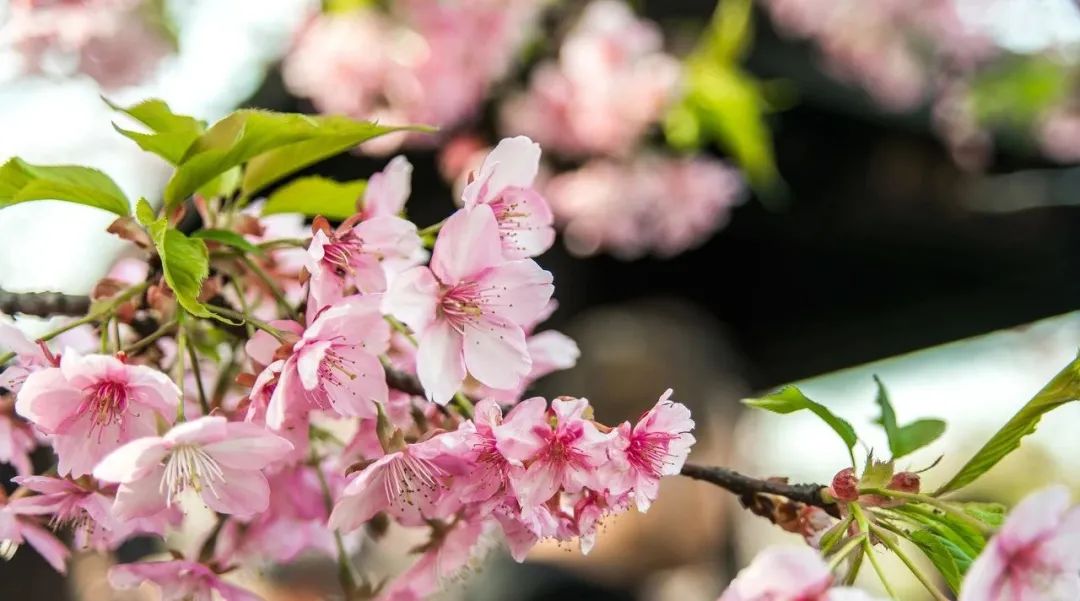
[[845, 485], [905, 482]]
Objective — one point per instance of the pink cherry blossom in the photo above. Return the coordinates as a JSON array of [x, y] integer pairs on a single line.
[[335, 364], [17, 441], [651, 204], [1035, 555], [505, 183], [87, 511], [29, 357], [178, 580], [18, 527], [388, 190], [564, 456], [468, 308], [220, 460], [443, 560], [611, 82], [353, 256], [656, 446], [92, 404], [409, 484], [788, 574]]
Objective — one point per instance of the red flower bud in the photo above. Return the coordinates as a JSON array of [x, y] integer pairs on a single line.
[[905, 482], [845, 485]]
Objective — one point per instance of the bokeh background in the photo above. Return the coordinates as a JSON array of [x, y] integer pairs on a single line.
[[751, 192]]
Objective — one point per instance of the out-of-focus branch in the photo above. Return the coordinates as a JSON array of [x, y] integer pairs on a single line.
[[43, 304]]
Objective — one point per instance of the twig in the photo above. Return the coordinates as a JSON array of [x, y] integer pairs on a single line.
[[732, 481], [43, 304]]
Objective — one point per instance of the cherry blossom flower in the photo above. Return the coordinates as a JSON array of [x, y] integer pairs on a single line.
[[788, 574], [1035, 554], [468, 308], [505, 183], [92, 404], [17, 441], [445, 558], [611, 82], [335, 364], [29, 356], [564, 456], [656, 446], [220, 460], [178, 580], [652, 204], [18, 527], [353, 257], [409, 484]]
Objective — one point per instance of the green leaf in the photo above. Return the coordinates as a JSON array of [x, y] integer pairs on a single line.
[[906, 439], [272, 144], [876, 474], [948, 527], [22, 182], [790, 399], [171, 134], [184, 261], [227, 238], [1064, 388], [316, 196], [992, 514], [950, 560]]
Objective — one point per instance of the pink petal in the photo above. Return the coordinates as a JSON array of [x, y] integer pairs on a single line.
[[154, 389], [309, 360], [781, 573], [354, 393], [47, 545], [47, 399], [439, 362], [205, 430], [412, 298], [524, 290], [551, 351], [388, 190], [131, 461], [83, 370], [467, 245], [363, 497], [243, 492], [525, 224], [986, 576], [82, 446], [517, 438], [514, 162], [540, 481], [13, 339], [248, 446], [495, 352], [141, 497]]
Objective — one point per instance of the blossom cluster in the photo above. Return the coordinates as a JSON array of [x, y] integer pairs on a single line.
[[593, 107], [358, 408]]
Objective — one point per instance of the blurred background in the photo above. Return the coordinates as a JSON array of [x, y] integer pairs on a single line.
[[749, 193]]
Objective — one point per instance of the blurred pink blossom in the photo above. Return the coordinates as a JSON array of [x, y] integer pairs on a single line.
[[652, 204], [610, 84]]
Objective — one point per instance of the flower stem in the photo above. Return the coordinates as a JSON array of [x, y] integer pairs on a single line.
[[846, 550], [895, 548], [203, 403], [144, 342], [868, 546], [181, 344], [243, 317]]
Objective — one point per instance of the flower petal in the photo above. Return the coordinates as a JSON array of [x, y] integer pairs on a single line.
[[439, 362]]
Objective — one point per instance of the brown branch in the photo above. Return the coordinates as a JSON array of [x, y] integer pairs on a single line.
[[403, 381], [748, 488], [43, 304]]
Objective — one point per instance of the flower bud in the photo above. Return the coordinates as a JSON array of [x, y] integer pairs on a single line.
[[905, 482], [845, 485]]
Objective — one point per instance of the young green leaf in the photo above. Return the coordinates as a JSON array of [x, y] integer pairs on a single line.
[[171, 134], [876, 474], [272, 144], [22, 182], [1064, 388], [951, 561], [790, 399], [184, 261], [992, 514], [228, 238], [316, 196], [904, 440]]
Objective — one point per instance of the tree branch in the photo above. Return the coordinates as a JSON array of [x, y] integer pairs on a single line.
[[43, 304], [748, 488]]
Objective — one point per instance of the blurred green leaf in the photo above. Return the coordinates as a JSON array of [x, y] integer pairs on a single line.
[[1064, 388], [228, 238], [22, 182], [1016, 91], [992, 514], [906, 439], [951, 561], [184, 261], [272, 145], [171, 134], [316, 196], [790, 399]]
